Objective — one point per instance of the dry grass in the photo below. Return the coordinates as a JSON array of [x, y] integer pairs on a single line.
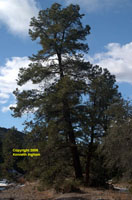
[[95, 194], [30, 192]]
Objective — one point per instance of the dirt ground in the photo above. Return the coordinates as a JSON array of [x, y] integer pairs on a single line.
[[29, 192]]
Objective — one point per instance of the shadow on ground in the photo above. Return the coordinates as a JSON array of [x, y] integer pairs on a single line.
[[72, 198]]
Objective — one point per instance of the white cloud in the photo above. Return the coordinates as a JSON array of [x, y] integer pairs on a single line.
[[7, 108], [4, 95], [16, 14], [94, 5], [117, 59], [8, 76], [3, 101]]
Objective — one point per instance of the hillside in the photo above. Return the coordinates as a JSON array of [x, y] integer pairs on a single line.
[[3, 131]]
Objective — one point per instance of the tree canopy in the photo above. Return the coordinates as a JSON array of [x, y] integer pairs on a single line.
[[72, 101]]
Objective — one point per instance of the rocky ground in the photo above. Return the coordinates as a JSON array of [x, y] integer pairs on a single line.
[[29, 192]]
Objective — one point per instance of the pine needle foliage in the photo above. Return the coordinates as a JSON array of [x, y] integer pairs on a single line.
[[71, 97]]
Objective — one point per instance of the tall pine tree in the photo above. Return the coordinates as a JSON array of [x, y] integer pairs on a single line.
[[64, 78], [58, 63]]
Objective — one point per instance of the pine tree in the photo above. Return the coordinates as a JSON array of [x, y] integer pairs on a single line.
[[102, 93], [58, 63], [64, 81]]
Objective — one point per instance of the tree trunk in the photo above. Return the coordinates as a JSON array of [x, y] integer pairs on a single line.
[[73, 146], [75, 155], [89, 158], [88, 165], [69, 128]]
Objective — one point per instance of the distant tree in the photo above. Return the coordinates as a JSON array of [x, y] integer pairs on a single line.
[[12, 140], [117, 143], [1, 157]]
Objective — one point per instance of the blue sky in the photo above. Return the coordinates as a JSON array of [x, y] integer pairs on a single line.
[[110, 43]]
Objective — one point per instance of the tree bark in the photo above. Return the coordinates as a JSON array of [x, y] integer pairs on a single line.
[[89, 158], [88, 165], [69, 128], [72, 142]]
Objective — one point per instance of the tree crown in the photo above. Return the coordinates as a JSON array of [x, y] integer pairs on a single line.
[[60, 31]]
